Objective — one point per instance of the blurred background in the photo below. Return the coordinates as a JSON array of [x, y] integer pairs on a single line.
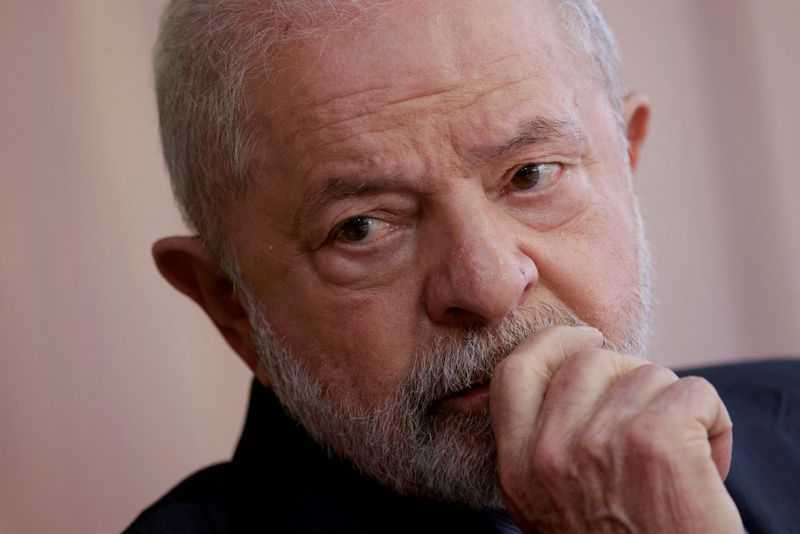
[[113, 386]]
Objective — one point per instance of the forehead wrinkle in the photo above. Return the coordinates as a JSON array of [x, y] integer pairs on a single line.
[[465, 86], [441, 86], [458, 103], [370, 109]]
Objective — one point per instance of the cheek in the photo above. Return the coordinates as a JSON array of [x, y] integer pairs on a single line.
[[570, 198], [358, 343], [593, 267]]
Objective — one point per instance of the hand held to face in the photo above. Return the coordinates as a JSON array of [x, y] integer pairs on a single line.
[[589, 440]]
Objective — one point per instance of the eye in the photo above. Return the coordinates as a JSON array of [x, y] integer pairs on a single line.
[[533, 175], [363, 230]]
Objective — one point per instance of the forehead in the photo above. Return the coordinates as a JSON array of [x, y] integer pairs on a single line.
[[411, 52]]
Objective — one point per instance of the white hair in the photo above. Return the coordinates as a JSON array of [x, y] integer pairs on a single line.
[[210, 51], [208, 54]]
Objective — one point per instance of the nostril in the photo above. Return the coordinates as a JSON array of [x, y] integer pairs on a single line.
[[528, 288], [463, 317], [523, 296]]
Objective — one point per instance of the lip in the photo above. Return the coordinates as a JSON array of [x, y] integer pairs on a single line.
[[473, 399]]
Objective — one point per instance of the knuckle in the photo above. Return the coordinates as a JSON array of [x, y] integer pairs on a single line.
[[584, 356], [694, 392], [644, 435], [654, 369], [667, 374], [650, 372], [549, 463], [592, 446], [582, 361], [698, 385], [626, 363]]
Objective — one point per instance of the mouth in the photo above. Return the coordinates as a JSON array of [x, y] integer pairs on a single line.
[[472, 399]]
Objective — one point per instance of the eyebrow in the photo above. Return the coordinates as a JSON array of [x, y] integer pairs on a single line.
[[341, 187], [537, 131]]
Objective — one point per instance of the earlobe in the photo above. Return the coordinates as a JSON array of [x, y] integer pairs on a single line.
[[636, 113], [187, 264]]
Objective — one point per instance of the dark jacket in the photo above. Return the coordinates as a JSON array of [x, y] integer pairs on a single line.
[[764, 402], [280, 481]]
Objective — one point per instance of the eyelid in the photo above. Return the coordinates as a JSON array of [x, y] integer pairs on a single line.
[[537, 163], [562, 168], [387, 226]]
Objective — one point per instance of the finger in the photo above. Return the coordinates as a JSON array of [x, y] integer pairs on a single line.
[[519, 382], [631, 394], [694, 400], [576, 390]]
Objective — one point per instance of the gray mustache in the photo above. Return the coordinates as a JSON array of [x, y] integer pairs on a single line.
[[452, 362]]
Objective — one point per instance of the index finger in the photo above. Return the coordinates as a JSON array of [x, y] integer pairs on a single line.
[[519, 382]]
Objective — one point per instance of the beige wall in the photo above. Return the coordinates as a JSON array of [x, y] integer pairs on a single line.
[[112, 386], [719, 181]]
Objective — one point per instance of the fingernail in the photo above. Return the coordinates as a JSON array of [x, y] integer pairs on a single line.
[[587, 328]]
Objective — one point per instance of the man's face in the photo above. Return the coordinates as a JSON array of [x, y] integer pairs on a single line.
[[427, 175]]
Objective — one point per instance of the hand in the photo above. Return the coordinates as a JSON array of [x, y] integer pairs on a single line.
[[589, 440]]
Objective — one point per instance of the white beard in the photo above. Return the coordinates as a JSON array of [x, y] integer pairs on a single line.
[[404, 442]]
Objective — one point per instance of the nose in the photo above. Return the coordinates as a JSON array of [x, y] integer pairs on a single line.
[[481, 272]]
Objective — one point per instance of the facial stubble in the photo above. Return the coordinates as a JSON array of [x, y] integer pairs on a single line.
[[406, 442]]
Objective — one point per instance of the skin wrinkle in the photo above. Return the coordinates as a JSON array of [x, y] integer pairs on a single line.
[[537, 131], [262, 33], [468, 266], [353, 321], [572, 222], [383, 105], [336, 141], [322, 145], [343, 188], [384, 108], [381, 91], [345, 138], [540, 130], [466, 238], [540, 124]]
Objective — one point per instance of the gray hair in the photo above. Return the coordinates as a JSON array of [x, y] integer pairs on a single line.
[[210, 51]]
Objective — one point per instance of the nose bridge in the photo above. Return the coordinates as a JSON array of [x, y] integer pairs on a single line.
[[482, 273]]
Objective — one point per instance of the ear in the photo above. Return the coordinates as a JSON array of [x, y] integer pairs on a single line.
[[636, 112], [190, 267]]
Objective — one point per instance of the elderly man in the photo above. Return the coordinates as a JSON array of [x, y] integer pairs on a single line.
[[416, 226]]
